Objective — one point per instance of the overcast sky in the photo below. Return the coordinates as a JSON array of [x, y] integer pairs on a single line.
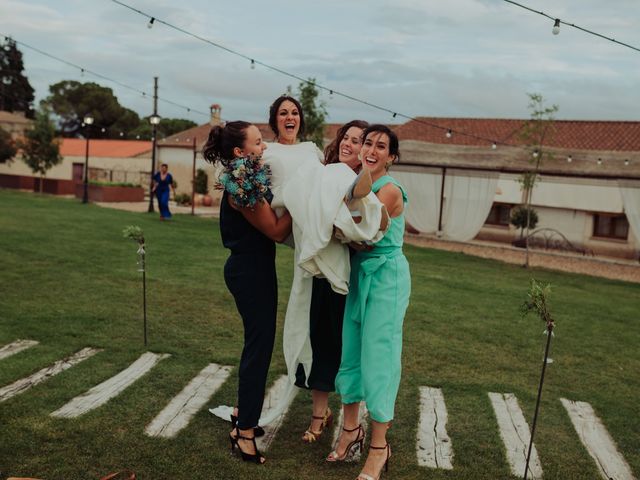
[[453, 58]]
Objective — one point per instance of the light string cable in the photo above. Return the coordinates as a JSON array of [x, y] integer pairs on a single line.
[[449, 131], [104, 77], [559, 21]]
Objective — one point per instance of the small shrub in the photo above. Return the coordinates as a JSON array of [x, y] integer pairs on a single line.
[[114, 184], [183, 199], [519, 218], [201, 182]]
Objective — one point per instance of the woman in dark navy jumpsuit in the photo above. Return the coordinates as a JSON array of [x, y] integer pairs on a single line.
[[250, 233]]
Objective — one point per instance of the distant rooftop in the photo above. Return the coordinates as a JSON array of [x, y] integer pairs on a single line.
[[623, 136], [75, 147]]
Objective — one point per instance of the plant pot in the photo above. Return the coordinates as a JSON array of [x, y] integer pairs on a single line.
[[207, 201]]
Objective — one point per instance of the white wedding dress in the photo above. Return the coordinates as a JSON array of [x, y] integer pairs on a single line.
[[313, 193]]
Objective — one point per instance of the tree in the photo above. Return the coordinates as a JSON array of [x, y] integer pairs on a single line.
[[70, 101], [16, 93], [314, 110], [8, 148], [524, 218], [535, 132], [40, 148]]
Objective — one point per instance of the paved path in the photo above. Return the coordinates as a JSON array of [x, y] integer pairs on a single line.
[[213, 211], [616, 269]]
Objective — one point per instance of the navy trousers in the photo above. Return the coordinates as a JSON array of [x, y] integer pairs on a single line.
[[251, 279]]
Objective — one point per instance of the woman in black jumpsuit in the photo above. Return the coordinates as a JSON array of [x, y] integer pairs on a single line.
[[250, 233]]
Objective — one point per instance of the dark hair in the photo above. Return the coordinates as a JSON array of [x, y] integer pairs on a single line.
[[332, 152], [394, 144], [164, 165], [222, 141], [273, 114]]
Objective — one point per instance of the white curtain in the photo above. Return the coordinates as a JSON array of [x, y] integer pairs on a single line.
[[423, 189], [631, 198], [468, 197]]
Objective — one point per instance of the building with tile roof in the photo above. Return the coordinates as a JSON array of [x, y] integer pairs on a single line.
[[578, 193], [126, 161]]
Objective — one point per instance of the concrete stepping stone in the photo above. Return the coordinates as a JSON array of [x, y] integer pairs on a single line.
[[46, 373], [515, 435], [276, 395], [179, 411], [433, 446], [594, 436], [15, 347], [105, 391]]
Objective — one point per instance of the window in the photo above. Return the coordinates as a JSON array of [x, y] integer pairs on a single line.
[[610, 226], [499, 215]]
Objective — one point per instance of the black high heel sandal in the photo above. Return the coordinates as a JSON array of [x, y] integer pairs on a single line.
[[365, 476], [258, 431], [246, 457], [334, 457]]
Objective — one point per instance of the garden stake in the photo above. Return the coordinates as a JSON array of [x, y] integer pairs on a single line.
[[135, 233], [538, 302]]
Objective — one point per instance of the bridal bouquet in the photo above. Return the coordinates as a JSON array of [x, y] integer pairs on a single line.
[[246, 179]]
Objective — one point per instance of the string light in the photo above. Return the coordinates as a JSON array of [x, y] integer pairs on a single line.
[[599, 161], [395, 114], [556, 27], [449, 133], [104, 77], [626, 162], [558, 22], [494, 146], [297, 77], [569, 159], [535, 154], [253, 64], [150, 24]]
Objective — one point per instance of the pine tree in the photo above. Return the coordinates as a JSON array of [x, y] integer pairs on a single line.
[[16, 93]]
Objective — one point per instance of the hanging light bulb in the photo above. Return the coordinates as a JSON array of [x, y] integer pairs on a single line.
[[394, 114], [330, 93], [569, 159], [599, 161], [449, 134], [150, 24], [253, 64], [122, 134], [556, 27], [494, 145], [535, 154], [626, 162], [103, 129], [82, 72]]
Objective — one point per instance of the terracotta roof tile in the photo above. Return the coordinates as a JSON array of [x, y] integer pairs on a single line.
[[568, 134], [75, 147]]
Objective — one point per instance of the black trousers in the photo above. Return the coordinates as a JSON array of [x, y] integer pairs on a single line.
[[251, 279], [325, 318]]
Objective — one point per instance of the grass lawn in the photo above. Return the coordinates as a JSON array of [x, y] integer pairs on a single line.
[[69, 280]]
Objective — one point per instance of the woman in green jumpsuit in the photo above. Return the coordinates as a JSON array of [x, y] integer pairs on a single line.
[[378, 297]]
